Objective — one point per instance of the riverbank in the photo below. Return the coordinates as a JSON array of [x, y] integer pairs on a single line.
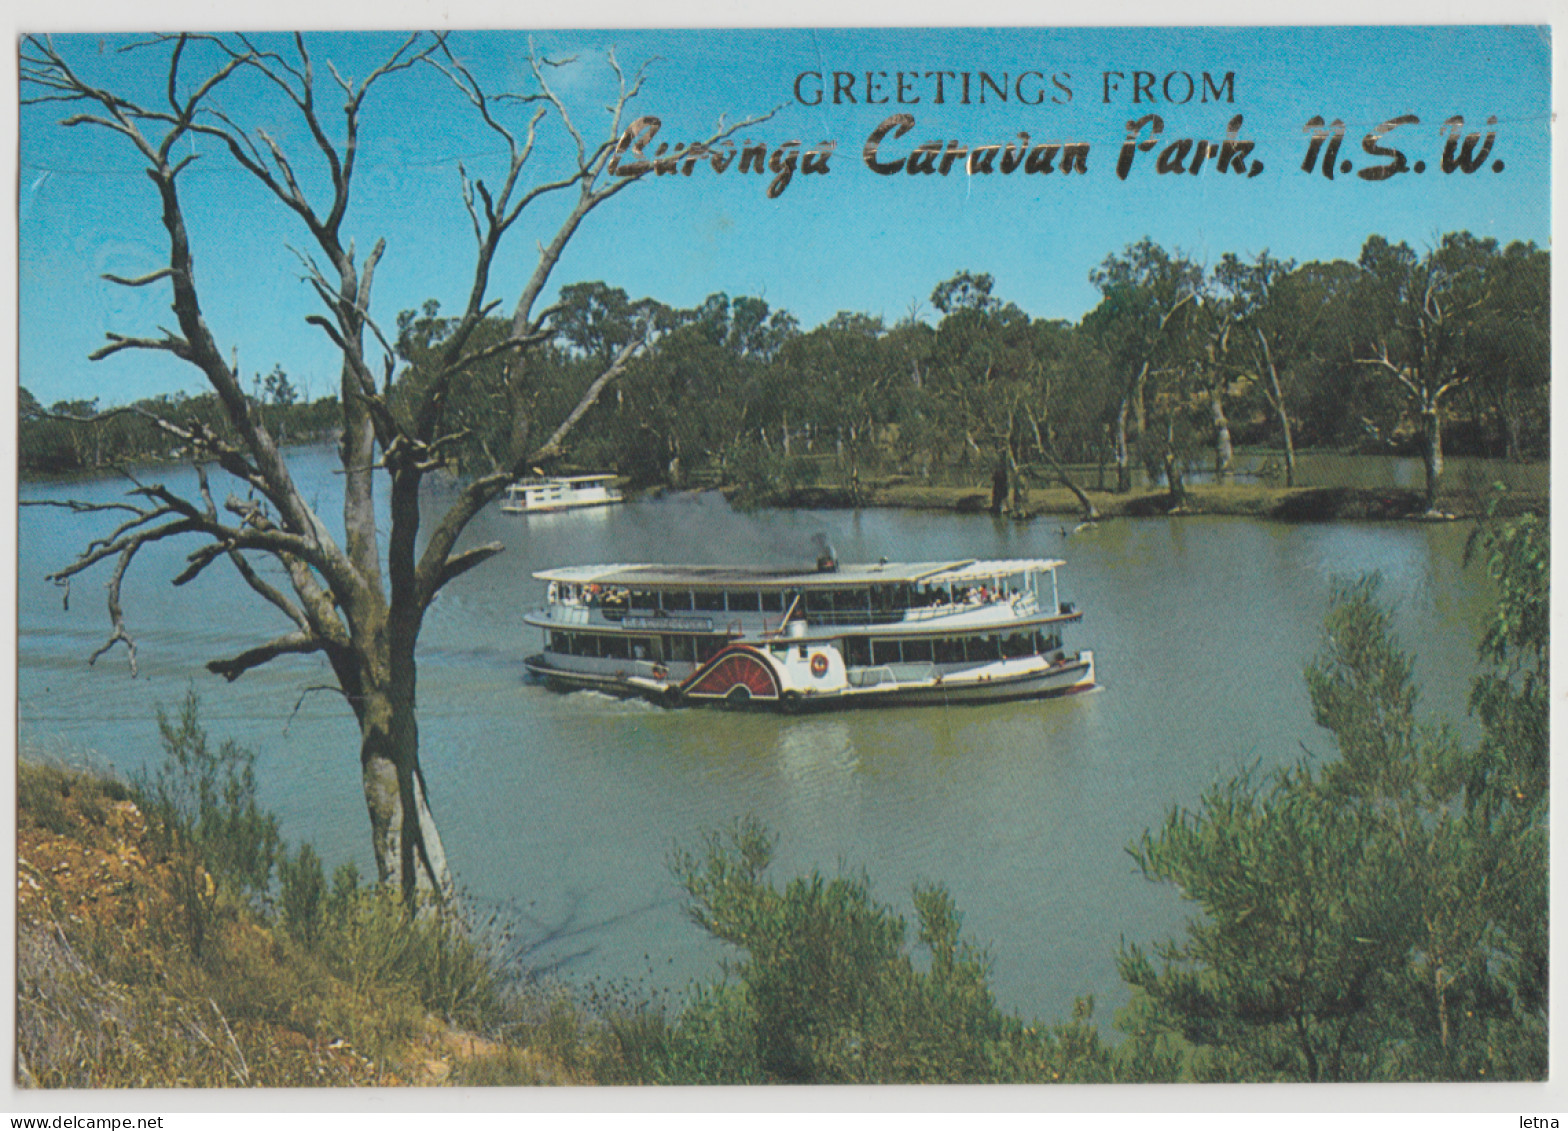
[[308, 985], [112, 991], [1282, 504]]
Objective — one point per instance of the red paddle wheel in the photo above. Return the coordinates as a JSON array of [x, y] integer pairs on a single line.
[[737, 672]]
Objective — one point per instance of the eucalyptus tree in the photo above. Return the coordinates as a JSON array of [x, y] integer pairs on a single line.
[[361, 602], [906, 352], [1140, 322], [1510, 347], [1071, 404], [984, 377], [1417, 314], [1270, 325], [835, 377]]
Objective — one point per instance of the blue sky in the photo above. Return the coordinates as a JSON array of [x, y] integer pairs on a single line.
[[849, 240]]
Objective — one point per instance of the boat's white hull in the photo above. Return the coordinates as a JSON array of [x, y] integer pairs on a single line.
[[1069, 676], [554, 508]]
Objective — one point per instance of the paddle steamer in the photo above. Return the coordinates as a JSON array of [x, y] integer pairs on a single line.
[[858, 635]]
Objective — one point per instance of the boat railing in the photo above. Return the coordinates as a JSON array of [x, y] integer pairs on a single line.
[[667, 622]]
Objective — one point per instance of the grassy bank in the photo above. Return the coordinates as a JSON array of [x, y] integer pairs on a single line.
[[1284, 504], [114, 989]]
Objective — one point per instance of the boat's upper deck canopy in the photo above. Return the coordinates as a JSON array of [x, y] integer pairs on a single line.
[[563, 480], [963, 572]]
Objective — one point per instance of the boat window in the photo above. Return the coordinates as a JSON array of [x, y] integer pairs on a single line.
[[614, 647], [558, 642], [680, 649], [676, 600], [746, 602], [917, 651], [710, 600], [1047, 642], [819, 601], [949, 650], [644, 599], [646, 648], [851, 601], [708, 647], [884, 652], [1018, 644], [977, 648], [772, 601], [857, 651]]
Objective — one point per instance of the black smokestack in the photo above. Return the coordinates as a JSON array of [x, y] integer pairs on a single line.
[[827, 558]]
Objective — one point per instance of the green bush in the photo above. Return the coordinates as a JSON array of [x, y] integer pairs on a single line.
[[202, 812], [302, 893], [206, 798], [827, 991], [370, 938]]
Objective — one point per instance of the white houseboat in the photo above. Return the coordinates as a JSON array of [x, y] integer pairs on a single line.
[[914, 632], [540, 496]]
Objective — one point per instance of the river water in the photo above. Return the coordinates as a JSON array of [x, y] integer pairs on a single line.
[[564, 808]]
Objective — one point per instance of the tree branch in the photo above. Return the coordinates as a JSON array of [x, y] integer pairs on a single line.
[[293, 644], [459, 564]]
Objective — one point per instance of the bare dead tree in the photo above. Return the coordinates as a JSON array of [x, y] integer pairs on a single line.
[[360, 604]]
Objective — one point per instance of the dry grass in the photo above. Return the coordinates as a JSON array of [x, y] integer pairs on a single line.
[[109, 995]]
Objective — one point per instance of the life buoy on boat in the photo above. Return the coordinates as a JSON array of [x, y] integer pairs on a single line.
[[660, 671], [819, 665]]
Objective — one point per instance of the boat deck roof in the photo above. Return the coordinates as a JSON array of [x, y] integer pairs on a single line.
[[963, 571], [557, 480]]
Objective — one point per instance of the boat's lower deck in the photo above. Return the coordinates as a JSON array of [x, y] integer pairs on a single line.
[[1036, 677]]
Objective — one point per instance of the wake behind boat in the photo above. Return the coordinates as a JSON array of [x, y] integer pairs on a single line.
[[963, 631]]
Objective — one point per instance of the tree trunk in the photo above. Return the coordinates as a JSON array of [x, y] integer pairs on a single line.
[[1511, 436], [1090, 513], [1432, 454], [1019, 487], [1276, 398], [1132, 399], [1224, 453], [1123, 471], [1174, 481], [1173, 475], [403, 834]]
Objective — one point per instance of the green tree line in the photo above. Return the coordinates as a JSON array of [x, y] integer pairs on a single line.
[[1399, 352], [74, 436], [1179, 363]]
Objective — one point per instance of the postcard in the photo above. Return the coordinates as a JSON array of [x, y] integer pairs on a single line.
[[783, 556]]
